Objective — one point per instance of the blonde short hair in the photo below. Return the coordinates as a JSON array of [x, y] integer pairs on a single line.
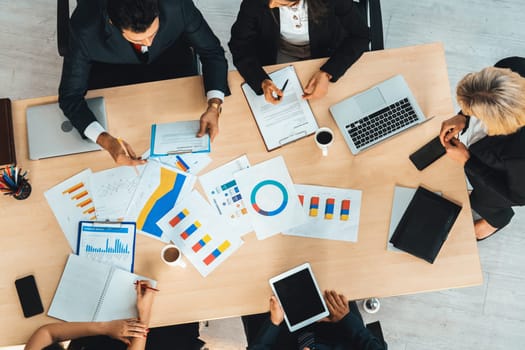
[[496, 96]]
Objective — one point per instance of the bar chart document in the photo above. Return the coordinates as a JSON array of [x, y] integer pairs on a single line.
[[108, 242], [287, 121]]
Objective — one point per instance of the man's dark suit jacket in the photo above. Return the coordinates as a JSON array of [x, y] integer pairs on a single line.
[[342, 35], [94, 39]]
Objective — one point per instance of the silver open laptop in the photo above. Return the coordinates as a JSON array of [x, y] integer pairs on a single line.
[[51, 134], [376, 114]]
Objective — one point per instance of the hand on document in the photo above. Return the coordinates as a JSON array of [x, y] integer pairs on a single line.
[[209, 122], [317, 86]]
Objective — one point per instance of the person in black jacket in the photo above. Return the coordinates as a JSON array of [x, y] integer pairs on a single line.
[[276, 31], [491, 143], [138, 32], [343, 329]]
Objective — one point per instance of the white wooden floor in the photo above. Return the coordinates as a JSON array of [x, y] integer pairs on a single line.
[[476, 33]]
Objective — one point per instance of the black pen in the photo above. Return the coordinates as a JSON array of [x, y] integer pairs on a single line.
[[284, 87]]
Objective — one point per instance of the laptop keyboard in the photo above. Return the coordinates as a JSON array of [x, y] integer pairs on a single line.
[[381, 123]]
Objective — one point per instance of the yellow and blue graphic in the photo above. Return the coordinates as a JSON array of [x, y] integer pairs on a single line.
[[161, 201]]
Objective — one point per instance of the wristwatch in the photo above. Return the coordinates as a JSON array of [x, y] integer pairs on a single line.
[[217, 106]]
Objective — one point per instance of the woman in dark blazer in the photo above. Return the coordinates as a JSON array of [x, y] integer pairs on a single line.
[[332, 28], [494, 160]]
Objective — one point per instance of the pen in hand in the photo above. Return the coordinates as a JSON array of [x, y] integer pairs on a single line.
[[127, 153], [146, 287], [282, 89]]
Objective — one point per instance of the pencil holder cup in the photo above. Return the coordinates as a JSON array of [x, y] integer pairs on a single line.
[[23, 191]]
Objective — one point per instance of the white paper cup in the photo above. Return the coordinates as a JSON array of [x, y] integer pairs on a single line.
[[324, 138], [172, 256]]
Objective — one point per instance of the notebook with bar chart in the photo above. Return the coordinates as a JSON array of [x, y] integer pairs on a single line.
[[377, 114]]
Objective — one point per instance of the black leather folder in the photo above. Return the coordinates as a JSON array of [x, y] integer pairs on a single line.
[[425, 225], [7, 138]]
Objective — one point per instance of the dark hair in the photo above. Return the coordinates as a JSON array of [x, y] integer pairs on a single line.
[[317, 9], [54, 346], [134, 15]]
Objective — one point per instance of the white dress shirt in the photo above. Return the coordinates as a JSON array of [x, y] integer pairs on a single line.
[[294, 23]]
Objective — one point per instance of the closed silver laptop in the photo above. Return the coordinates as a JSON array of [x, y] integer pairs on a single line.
[[376, 114], [51, 134]]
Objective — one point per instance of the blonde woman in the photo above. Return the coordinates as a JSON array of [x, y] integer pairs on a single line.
[[487, 136]]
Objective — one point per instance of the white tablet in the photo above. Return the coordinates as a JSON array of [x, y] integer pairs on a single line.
[[299, 296]]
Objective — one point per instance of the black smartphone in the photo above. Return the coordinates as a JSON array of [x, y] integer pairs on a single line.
[[428, 154], [29, 296]]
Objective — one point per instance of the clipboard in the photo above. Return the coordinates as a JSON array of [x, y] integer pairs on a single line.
[[178, 138], [291, 120], [109, 242]]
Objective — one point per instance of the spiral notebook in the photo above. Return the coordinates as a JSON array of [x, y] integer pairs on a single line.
[[91, 291]]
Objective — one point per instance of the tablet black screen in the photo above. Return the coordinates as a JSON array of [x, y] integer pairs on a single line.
[[299, 297]]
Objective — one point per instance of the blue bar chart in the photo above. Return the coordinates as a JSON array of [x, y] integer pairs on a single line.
[[117, 248]]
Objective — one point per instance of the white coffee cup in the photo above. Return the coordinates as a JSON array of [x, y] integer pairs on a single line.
[[172, 256], [324, 137]]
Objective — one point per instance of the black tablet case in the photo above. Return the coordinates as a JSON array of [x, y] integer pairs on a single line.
[[425, 225], [7, 138]]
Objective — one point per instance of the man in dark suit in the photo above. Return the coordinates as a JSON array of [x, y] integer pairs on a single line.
[[136, 32]]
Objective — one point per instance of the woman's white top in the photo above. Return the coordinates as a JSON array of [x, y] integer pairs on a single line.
[[475, 132], [294, 23]]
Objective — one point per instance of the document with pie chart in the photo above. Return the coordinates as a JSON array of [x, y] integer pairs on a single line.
[[272, 200]]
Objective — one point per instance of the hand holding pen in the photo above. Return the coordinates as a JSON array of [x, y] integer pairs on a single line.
[[272, 93]]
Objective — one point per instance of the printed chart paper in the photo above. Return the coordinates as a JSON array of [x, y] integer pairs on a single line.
[[191, 163], [159, 188], [273, 204], [332, 213], [222, 191], [113, 189], [109, 243], [72, 202], [205, 237]]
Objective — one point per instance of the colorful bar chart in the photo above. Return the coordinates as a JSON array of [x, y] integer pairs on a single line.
[[118, 248], [314, 206], [189, 231], [201, 243], [181, 164], [329, 208], [345, 210], [179, 217], [73, 188], [78, 193], [217, 252]]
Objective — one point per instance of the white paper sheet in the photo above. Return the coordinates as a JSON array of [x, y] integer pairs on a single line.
[[332, 213], [222, 191], [287, 121], [205, 238], [272, 201], [159, 189], [113, 189], [72, 202]]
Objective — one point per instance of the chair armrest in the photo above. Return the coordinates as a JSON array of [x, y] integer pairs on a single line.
[[63, 27]]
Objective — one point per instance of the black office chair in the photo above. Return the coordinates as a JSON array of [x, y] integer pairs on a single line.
[[377, 331], [180, 60], [371, 11]]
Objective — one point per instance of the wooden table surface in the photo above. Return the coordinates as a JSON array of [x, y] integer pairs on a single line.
[[32, 242]]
